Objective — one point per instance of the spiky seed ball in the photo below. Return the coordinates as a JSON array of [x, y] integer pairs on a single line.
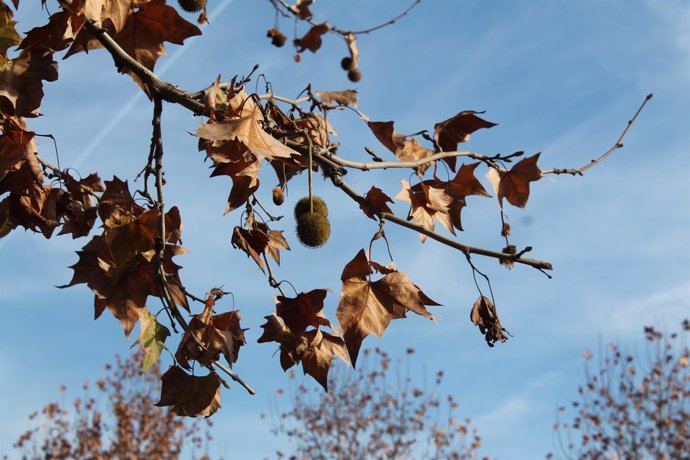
[[313, 229], [346, 63], [354, 75], [278, 196], [302, 206], [192, 6]]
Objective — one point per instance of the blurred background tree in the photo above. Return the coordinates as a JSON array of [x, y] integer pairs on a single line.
[[374, 413], [128, 426], [632, 407]]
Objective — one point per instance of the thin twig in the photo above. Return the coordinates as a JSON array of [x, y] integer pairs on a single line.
[[618, 145], [390, 22]]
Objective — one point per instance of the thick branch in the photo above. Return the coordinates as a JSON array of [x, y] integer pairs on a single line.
[[162, 89]]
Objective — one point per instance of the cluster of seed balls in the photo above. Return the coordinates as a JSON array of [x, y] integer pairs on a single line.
[[313, 228]]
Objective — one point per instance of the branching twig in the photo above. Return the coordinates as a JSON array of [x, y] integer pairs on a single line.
[[619, 144], [340, 183]]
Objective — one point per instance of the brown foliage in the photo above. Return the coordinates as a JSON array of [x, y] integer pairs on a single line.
[[128, 426], [632, 406], [130, 260], [369, 415]]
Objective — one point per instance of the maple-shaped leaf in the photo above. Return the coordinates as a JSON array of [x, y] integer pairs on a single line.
[[301, 9], [317, 129], [291, 347], [245, 182], [152, 335], [32, 204], [8, 34], [248, 131], [463, 184], [376, 200], [312, 39], [302, 311], [484, 316], [190, 395], [404, 149], [57, 34], [459, 128], [21, 81], [15, 143], [514, 184], [367, 307], [428, 203], [344, 97], [220, 334], [259, 240], [318, 357], [139, 29]]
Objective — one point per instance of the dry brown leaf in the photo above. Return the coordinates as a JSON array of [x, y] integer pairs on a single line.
[[367, 307], [514, 184], [322, 348], [484, 316], [345, 97], [457, 129], [302, 311], [428, 203], [377, 200], [312, 39], [190, 395]]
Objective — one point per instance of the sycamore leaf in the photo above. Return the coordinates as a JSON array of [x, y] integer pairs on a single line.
[[8, 34], [21, 81], [484, 316], [367, 307], [322, 348], [276, 242], [252, 242], [312, 39], [463, 185], [140, 33], [302, 311], [248, 131], [345, 97], [14, 143], [457, 129], [428, 203], [377, 200], [404, 149], [152, 337], [190, 395], [220, 334], [514, 184], [301, 9], [291, 347]]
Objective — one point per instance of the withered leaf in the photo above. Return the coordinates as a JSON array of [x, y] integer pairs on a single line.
[[376, 200], [404, 149], [302, 311], [301, 9], [367, 307], [190, 395], [312, 39], [220, 334], [463, 184], [345, 97], [318, 357], [253, 242], [459, 128], [21, 81], [248, 131], [514, 184], [8, 34], [428, 203], [291, 347], [484, 315], [14, 143]]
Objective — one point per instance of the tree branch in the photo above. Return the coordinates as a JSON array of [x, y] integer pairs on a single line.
[[466, 249], [618, 145]]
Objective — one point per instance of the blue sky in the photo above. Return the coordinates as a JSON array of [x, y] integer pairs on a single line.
[[561, 78]]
